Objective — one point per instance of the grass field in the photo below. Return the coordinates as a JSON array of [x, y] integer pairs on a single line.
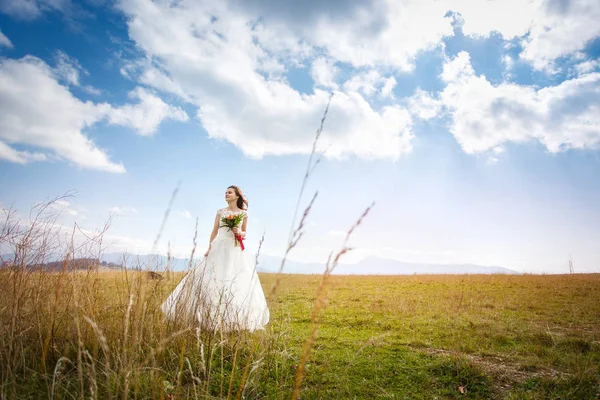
[[101, 335]]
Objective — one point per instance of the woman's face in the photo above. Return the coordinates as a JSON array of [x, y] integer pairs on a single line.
[[230, 195]]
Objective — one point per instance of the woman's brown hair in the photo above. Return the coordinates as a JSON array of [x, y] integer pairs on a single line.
[[242, 202]]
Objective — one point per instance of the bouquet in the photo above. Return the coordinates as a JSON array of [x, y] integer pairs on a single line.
[[234, 221]]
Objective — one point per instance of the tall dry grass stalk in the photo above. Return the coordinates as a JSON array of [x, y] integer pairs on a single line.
[[321, 303], [297, 231]]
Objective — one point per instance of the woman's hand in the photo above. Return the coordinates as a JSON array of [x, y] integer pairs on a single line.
[[207, 251], [236, 230]]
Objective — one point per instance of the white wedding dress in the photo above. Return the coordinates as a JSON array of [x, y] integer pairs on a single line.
[[222, 292]]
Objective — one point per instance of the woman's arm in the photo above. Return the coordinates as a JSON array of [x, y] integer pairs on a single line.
[[214, 232], [244, 226]]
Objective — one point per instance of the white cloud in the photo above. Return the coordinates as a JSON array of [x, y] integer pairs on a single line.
[[508, 62], [185, 214], [218, 64], [122, 243], [547, 29], [560, 28], [370, 83], [68, 69], [64, 206], [24, 9], [484, 116], [373, 33], [146, 115], [20, 157], [119, 243], [83, 237], [494, 155], [122, 210], [32, 9], [458, 68], [37, 111], [587, 66], [386, 90], [115, 210], [424, 105], [491, 160], [510, 18], [153, 76], [231, 55], [323, 72], [4, 41], [393, 32], [365, 83], [382, 33]]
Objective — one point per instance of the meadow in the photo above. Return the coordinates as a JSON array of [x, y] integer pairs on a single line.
[[81, 332], [95, 334]]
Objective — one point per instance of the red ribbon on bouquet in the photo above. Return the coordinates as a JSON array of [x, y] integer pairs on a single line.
[[241, 240]]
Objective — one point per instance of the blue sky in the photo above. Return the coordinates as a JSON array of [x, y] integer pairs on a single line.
[[475, 128]]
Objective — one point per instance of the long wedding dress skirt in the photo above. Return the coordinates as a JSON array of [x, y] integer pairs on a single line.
[[222, 292]]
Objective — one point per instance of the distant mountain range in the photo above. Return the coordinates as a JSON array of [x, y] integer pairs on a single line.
[[81, 264], [379, 266], [270, 264], [368, 266]]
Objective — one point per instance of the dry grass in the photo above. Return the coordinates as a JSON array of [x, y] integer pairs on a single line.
[[101, 335]]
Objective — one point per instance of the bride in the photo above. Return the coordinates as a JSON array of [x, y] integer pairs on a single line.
[[223, 291]]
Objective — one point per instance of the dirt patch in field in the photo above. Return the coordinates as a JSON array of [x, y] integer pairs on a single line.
[[506, 372]]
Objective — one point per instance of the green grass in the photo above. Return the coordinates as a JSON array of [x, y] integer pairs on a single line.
[[445, 337], [424, 336]]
